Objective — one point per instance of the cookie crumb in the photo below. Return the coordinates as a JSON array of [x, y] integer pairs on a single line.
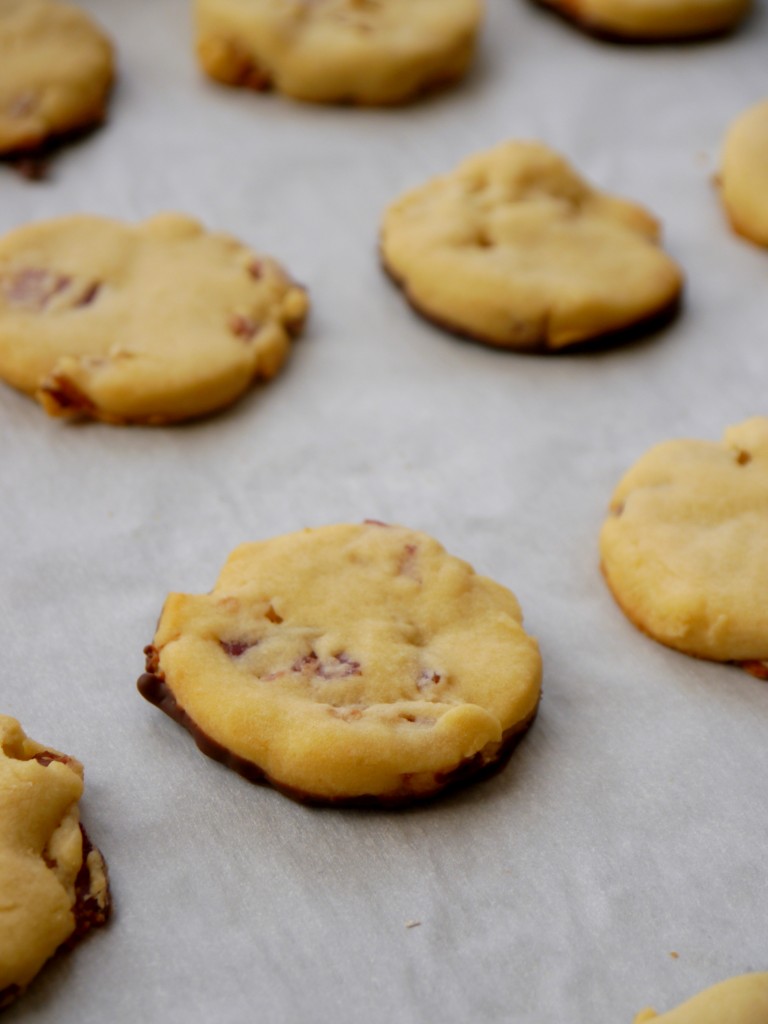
[[674, 955], [413, 924]]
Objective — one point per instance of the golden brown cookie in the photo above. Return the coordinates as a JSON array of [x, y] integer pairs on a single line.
[[152, 323], [348, 664], [56, 72], [513, 248], [53, 883], [742, 1000], [744, 174], [652, 21], [685, 549], [332, 51]]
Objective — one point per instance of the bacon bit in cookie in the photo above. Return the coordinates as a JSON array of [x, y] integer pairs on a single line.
[[256, 269], [743, 458], [408, 562], [236, 648], [243, 326], [758, 669], [33, 287], [617, 510], [428, 678], [340, 666], [63, 398], [152, 662], [89, 295], [375, 522], [45, 758], [272, 615]]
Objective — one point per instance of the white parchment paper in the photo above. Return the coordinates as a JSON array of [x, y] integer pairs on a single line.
[[630, 824]]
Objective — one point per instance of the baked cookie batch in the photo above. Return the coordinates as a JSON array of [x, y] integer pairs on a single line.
[[359, 664]]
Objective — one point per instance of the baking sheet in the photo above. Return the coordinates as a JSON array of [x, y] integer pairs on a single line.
[[630, 824]]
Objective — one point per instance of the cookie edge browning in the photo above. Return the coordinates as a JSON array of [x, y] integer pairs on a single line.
[[567, 12], [635, 330], [41, 148], [752, 666], [153, 687], [91, 909]]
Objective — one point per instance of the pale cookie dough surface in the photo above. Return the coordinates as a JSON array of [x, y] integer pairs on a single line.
[[515, 249], [744, 173], [685, 549], [348, 662], [56, 71], [53, 884], [358, 51], [151, 323], [653, 20], [742, 1000]]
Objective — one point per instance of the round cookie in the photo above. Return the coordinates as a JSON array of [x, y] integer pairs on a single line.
[[53, 883], [56, 72], [514, 249], [332, 51], [152, 323], [685, 549], [348, 665], [652, 21], [744, 174], [742, 1000]]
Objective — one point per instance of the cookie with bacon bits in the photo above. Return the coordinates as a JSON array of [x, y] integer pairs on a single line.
[[53, 882], [150, 323], [56, 73], [685, 547], [370, 52], [348, 665]]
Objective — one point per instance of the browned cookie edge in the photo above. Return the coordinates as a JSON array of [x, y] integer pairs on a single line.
[[153, 687], [623, 335], [755, 667], [566, 11]]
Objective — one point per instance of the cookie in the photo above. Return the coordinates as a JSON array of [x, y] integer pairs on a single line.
[[152, 323], [348, 665], [53, 883], [744, 174], [56, 73], [333, 51], [652, 21], [742, 1000], [514, 249], [685, 548]]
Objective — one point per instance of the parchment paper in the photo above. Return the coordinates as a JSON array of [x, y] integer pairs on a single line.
[[630, 824]]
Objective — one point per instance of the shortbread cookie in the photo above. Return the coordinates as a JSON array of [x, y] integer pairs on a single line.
[[331, 51], [685, 549], [742, 1000], [348, 664], [744, 175], [56, 71], [151, 323], [652, 20], [53, 883], [515, 249]]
